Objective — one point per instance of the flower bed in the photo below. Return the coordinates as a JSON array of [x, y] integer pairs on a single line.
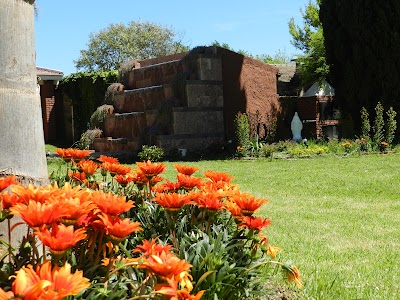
[[135, 236]]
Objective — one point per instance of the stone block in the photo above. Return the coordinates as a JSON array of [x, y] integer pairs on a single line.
[[204, 94], [195, 143], [196, 121], [209, 68]]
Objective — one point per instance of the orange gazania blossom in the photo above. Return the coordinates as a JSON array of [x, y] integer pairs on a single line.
[[248, 203], [218, 176], [167, 265], [232, 207], [74, 208], [72, 153], [116, 169], [186, 170], [272, 250], [167, 187], [63, 283], [139, 178], [293, 274], [77, 176], [60, 238], [109, 159], [189, 182], [36, 194], [117, 228], [110, 203], [172, 201], [87, 166], [155, 179], [173, 293], [254, 223], [210, 201], [35, 214], [152, 248], [7, 181], [123, 179], [27, 284], [150, 169], [8, 200]]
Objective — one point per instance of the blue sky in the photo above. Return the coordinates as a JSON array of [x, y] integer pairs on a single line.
[[62, 28]]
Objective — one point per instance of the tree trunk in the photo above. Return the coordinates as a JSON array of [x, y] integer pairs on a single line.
[[22, 151]]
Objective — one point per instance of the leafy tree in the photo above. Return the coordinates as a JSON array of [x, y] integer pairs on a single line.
[[362, 40], [116, 44], [280, 57], [310, 40]]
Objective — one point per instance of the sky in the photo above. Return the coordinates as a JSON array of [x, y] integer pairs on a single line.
[[62, 28]]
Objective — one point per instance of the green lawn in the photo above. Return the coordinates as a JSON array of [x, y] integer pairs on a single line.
[[337, 219]]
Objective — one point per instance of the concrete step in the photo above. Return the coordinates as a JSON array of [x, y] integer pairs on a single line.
[[109, 144], [125, 125]]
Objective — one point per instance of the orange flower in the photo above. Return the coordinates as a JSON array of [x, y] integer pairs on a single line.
[[71, 153], [88, 167], [35, 214], [293, 274], [63, 283], [166, 265], [248, 203], [116, 169], [189, 182], [172, 201], [254, 223], [123, 179], [218, 176], [75, 208], [109, 159], [211, 201], [232, 207], [173, 293], [60, 238], [8, 200], [32, 193], [117, 228], [77, 177], [167, 187], [150, 169], [7, 181], [28, 284], [139, 178], [272, 250], [110, 203], [186, 170], [151, 248]]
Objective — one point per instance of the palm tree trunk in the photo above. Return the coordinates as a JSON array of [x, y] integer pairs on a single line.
[[22, 151]]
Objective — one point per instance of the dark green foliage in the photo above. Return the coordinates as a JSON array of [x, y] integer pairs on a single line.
[[86, 92], [362, 40], [391, 125]]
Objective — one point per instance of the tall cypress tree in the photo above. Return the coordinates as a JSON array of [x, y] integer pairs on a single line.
[[362, 41]]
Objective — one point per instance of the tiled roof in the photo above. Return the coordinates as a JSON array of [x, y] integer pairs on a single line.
[[48, 72]]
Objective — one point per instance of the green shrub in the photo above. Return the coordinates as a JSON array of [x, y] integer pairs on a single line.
[[152, 153], [379, 125], [97, 118], [391, 125], [365, 124], [242, 130], [87, 138]]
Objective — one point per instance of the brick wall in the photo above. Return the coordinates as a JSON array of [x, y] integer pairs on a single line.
[[249, 86], [47, 96]]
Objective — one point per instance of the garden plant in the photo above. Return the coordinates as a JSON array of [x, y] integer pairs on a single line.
[[102, 230]]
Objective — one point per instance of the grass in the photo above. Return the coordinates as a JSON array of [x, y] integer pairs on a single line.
[[337, 219]]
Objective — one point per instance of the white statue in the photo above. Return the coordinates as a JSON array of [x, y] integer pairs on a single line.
[[296, 127]]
